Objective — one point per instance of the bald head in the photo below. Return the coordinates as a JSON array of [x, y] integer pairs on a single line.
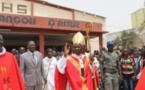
[[21, 50], [31, 46], [13, 51], [31, 42], [49, 52]]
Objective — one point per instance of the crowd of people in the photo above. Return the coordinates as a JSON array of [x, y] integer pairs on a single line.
[[72, 69], [122, 68]]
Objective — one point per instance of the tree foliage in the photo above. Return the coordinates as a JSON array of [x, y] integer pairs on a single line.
[[140, 30], [142, 27], [126, 40]]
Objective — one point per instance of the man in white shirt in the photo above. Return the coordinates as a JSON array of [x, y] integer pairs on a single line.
[[49, 63]]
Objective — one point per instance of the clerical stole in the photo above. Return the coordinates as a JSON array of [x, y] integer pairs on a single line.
[[10, 77], [73, 75]]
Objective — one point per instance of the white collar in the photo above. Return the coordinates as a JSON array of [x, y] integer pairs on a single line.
[[31, 53], [3, 51], [78, 57], [49, 58]]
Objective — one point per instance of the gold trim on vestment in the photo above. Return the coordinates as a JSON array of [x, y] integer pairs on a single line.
[[77, 65]]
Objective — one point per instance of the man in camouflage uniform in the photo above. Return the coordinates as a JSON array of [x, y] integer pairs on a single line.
[[109, 62]]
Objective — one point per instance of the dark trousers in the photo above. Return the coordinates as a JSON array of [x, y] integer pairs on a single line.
[[128, 81], [135, 83]]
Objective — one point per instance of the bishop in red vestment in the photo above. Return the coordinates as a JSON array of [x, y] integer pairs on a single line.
[[75, 72], [10, 77]]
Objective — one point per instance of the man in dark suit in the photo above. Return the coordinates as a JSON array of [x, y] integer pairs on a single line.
[[31, 67]]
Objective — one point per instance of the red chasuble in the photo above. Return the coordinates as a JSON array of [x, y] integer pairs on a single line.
[[141, 83], [10, 77], [73, 76]]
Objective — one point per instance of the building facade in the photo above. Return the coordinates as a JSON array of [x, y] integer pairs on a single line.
[[138, 17], [45, 23]]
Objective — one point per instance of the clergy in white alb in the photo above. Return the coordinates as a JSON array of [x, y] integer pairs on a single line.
[[49, 63]]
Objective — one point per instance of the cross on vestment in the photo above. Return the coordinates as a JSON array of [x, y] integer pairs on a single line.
[[82, 66]]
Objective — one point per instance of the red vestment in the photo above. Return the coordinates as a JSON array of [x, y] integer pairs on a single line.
[[141, 83], [73, 75], [10, 76]]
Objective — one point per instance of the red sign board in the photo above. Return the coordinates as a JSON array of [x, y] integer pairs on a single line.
[[14, 20]]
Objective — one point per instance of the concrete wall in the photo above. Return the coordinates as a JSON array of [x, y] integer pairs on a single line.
[[79, 15], [48, 11], [138, 17]]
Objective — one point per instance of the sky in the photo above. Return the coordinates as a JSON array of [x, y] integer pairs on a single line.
[[117, 12]]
